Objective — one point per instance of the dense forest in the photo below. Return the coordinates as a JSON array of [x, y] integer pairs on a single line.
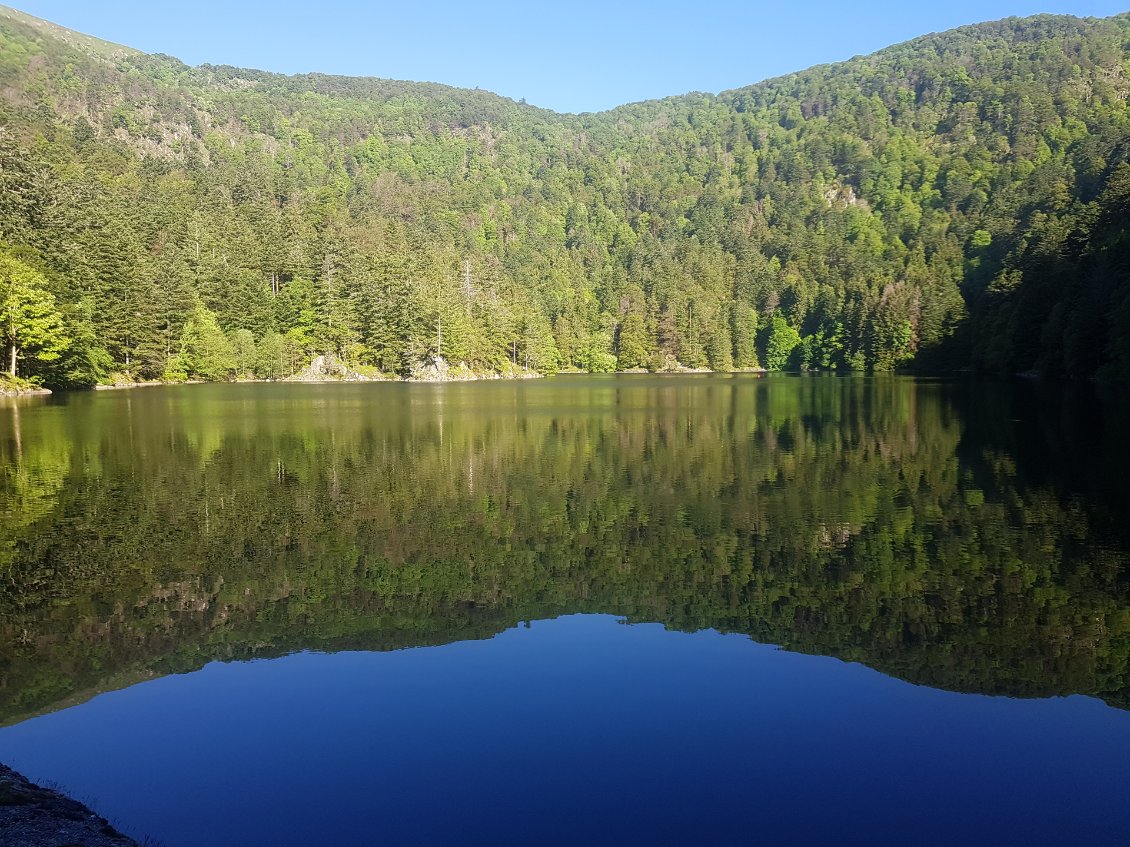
[[959, 201], [903, 523]]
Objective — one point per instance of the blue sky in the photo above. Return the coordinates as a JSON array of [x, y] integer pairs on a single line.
[[575, 56]]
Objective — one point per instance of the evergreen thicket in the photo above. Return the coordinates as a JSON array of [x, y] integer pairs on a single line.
[[956, 201]]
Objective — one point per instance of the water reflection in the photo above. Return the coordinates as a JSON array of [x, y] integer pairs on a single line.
[[965, 537]]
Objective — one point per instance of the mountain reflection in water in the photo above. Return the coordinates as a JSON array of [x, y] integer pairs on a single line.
[[965, 537]]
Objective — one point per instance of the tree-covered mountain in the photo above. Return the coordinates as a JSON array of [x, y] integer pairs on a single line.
[[956, 201]]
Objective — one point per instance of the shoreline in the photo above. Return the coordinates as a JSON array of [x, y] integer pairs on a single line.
[[121, 386], [476, 377], [35, 816]]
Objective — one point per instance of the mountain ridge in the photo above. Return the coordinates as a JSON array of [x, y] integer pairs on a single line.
[[98, 46], [897, 209], [63, 33]]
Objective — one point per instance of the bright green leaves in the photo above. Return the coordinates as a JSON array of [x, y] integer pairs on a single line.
[[634, 343], [780, 342], [30, 325], [205, 352], [979, 175]]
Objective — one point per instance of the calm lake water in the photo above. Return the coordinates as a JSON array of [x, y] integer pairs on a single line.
[[637, 609]]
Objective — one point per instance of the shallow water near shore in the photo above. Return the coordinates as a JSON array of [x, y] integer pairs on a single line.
[[646, 609]]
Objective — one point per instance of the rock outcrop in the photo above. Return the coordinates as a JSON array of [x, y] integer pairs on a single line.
[[33, 816]]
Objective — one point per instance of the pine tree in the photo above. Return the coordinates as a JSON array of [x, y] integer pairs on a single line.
[[205, 352]]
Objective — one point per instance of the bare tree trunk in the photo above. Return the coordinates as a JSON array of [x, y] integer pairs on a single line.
[[14, 352]]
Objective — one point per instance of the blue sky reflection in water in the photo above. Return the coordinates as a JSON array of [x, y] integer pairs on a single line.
[[582, 730], [968, 537]]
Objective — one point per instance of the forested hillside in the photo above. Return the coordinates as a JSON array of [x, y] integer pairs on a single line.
[[959, 201]]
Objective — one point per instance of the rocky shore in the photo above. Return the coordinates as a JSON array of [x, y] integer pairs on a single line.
[[33, 816], [9, 390], [435, 369]]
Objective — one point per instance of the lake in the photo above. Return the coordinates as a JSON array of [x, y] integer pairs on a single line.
[[687, 609]]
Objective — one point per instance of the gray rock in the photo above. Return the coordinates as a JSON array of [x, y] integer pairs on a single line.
[[32, 816]]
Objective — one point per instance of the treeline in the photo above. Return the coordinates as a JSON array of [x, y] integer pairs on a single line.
[[883, 521], [954, 202]]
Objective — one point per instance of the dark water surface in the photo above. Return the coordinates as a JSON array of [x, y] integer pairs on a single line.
[[207, 594]]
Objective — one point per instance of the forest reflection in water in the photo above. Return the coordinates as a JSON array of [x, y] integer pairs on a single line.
[[968, 537]]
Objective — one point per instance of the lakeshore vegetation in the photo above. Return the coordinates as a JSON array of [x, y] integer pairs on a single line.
[[955, 202]]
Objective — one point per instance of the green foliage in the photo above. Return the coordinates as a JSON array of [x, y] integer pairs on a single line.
[[744, 332], [85, 361], [596, 360], [540, 348], [276, 357], [956, 201], [780, 342], [243, 352], [30, 325], [634, 343], [205, 352]]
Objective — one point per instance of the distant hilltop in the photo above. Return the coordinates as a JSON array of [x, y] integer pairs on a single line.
[[957, 202]]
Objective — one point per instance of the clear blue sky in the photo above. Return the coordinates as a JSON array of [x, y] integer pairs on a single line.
[[575, 56]]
